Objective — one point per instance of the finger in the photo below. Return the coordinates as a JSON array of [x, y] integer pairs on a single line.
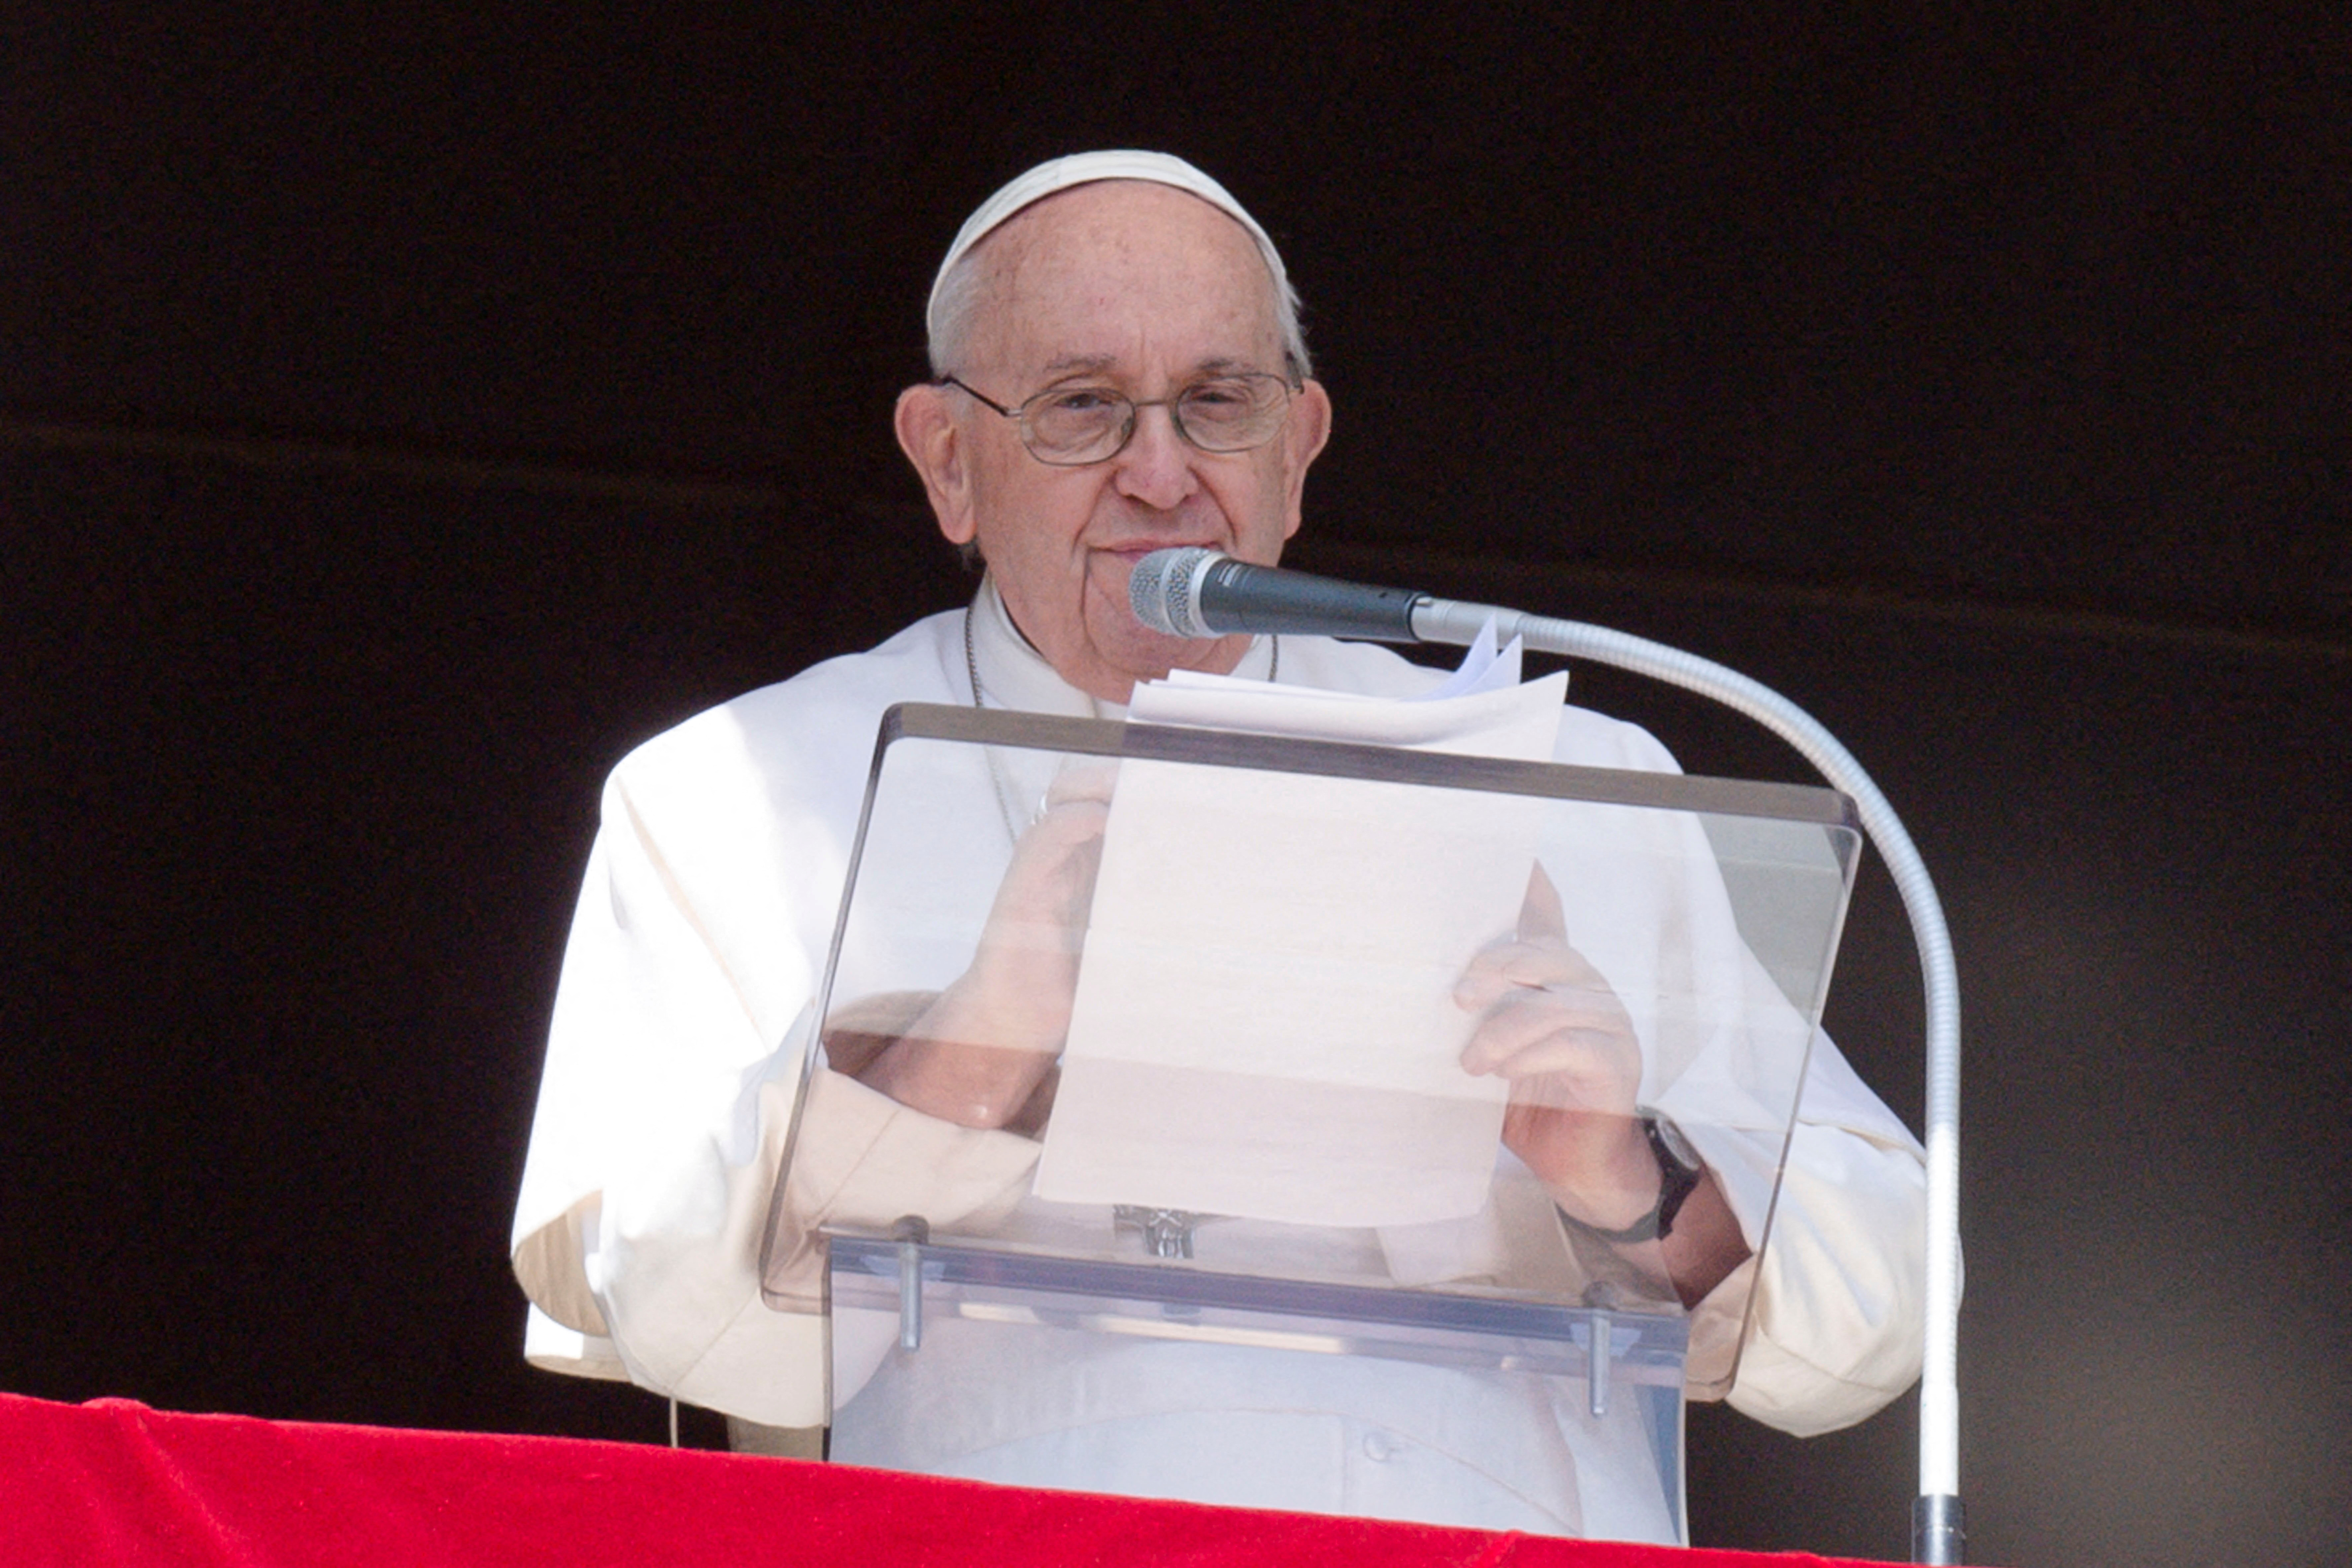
[[1540, 913], [1020, 934], [1537, 963], [1581, 1074], [1054, 864], [1523, 1016], [1523, 963], [1065, 825], [1531, 1021], [1588, 1058], [1088, 778]]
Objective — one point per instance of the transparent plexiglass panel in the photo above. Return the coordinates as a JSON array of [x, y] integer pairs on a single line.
[[1165, 1074]]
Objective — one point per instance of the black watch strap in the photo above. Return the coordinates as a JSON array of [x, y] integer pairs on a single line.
[[1678, 1176]]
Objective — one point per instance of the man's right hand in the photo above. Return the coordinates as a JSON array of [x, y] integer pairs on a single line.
[[977, 1054]]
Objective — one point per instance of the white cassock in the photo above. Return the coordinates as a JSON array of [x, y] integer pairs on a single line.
[[698, 945]]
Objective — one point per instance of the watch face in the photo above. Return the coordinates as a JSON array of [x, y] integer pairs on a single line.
[[1677, 1144]]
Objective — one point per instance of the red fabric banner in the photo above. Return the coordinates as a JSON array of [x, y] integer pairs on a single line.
[[116, 1482]]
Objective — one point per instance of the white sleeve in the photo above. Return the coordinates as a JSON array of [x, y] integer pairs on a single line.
[[1826, 1326], [653, 1151], [674, 1057], [1835, 1326]]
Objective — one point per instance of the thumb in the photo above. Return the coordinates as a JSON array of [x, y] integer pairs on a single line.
[[1540, 915]]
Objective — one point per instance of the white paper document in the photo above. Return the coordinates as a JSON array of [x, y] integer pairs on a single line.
[[1264, 1024]]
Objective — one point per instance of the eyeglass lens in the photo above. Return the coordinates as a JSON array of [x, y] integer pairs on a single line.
[[1087, 423]]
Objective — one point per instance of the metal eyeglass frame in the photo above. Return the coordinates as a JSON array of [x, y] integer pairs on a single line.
[[1019, 415]]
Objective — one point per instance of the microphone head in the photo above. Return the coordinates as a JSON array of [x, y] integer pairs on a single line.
[[1165, 590]]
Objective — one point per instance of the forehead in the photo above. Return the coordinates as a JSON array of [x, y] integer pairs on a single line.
[[1128, 277]]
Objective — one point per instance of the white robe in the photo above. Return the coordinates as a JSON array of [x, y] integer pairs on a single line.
[[699, 938]]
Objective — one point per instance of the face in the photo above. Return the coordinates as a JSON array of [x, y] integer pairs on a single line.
[[1145, 288]]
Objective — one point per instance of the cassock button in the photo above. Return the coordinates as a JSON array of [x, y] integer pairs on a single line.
[[1379, 1447]]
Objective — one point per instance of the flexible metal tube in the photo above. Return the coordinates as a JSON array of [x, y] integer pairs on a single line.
[[1939, 1411]]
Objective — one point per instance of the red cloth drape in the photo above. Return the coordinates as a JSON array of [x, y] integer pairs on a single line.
[[115, 1482]]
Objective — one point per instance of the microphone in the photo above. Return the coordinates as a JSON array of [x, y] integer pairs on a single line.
[[1197, 592]]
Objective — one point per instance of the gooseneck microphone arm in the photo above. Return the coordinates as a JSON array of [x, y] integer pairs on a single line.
[[1202, 593]]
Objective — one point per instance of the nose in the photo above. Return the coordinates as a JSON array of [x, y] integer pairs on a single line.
[[1156, 467]]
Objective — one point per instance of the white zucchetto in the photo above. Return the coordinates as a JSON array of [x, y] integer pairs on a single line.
[[1058, 174]]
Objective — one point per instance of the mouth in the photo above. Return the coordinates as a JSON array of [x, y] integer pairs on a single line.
[[1131, 553], [1122, 562]]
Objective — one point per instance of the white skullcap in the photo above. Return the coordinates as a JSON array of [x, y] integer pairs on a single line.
[[1059, 175]]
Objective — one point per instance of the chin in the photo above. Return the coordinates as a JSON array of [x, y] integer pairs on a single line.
[[1140, 654]]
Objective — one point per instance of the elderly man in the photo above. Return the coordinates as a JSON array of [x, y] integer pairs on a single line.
[[1118, 370]]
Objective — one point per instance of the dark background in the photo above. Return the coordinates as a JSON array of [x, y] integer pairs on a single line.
[[401, 417]]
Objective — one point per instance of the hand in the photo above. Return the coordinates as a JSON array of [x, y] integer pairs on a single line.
[[1025, 974], [1550, 1027], [980, 1051]]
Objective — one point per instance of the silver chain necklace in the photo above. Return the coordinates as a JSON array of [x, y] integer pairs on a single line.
[[996, 773]]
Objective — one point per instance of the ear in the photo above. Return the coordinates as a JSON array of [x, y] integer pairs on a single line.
[[1308, 427], [933, 442]]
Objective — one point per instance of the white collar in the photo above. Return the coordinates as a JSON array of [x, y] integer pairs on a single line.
[[1012, 674]]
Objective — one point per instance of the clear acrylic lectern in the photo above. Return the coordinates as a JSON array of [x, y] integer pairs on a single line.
[[1204, 1202]]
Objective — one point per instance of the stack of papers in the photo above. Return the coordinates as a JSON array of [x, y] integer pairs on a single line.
[[1264, 1024]]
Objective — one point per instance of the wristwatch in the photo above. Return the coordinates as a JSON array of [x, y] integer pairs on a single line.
[[1679, 1170]]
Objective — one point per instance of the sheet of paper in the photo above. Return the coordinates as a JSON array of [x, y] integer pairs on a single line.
[[1264, 1024]]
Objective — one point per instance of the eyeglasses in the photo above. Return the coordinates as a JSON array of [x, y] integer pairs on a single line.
[[1070, 426]]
